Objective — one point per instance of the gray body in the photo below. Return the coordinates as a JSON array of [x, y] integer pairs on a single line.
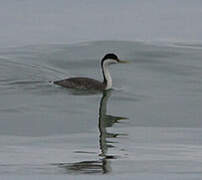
[[81, 83]]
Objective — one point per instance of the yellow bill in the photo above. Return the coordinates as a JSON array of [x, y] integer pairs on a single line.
[[123, 61]]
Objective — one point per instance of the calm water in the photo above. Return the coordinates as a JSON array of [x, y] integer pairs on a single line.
[[149, 125]]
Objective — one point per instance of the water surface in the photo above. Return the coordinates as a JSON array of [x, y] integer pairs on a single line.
[[148, 125]]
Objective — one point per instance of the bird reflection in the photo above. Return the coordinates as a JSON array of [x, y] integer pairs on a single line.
[[101, 166], [104, 122]]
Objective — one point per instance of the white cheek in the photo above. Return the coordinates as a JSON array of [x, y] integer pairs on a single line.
[[114, 62], [110, 61]]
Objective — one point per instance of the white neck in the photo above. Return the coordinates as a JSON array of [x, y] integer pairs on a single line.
[[107, 75]]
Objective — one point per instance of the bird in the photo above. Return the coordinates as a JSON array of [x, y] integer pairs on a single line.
[[85, 83]]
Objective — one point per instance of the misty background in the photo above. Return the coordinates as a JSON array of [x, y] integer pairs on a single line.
[[69, 21]]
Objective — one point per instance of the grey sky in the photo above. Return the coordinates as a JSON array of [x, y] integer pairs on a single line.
[[66, 21]]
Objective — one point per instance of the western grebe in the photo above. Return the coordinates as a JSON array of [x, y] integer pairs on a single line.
[[88, 83]]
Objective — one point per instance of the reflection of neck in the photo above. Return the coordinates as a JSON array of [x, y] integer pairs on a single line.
[[102, 125], [103, 104], [106, 75]]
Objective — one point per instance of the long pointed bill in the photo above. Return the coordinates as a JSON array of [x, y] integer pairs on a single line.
[[123, 61]]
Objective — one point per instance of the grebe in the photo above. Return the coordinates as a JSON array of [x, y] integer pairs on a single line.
[[92, 84]]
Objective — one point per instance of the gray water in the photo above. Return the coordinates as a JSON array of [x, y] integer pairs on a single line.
[[150, 123], [147, 127]]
